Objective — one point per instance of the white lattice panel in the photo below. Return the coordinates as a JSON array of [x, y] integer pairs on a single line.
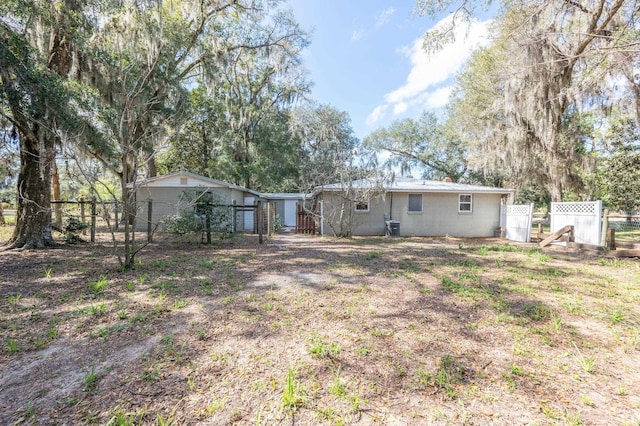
[[517, 222], [584, 216], [519, 209], [582, 208]]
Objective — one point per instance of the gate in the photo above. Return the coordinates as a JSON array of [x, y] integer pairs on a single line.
[[584, 216], [517, 219], [306, 221]]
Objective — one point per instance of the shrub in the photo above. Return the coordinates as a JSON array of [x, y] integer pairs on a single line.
[[201, 204]]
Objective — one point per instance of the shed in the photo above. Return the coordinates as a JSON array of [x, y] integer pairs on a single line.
[[417, 207], [165, 193]]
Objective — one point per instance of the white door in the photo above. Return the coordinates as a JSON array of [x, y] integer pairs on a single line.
[[290, 212], [249, 214]]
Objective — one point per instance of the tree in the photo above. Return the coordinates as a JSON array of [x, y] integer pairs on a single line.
[[196, 146], [618, 174], [331, 154], [258, 77], [424, 144], [38, 52], [557, 54], [328, 146]]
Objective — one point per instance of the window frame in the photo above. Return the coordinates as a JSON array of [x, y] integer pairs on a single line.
[[356, 204], [465, 203], [409, 211]]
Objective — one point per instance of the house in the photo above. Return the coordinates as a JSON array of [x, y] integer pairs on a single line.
[[286, 206], [411, 207], [166, 194]]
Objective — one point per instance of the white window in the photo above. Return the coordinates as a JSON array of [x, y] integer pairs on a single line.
[[415, 203], [465, 203], [362, 206]]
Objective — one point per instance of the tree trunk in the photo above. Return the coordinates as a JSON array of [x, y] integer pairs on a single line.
[[33, 214], [555, 188], [2, 221], [55, 188]]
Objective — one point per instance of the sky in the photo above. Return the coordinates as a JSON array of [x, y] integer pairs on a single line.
[[366, 58]]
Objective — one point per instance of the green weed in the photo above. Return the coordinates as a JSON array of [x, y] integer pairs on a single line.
[[423, 379], [448, 373], [375, 254], [337, 388], [29, 410], [90, 380], [14, 299], [179, 304], [363, 350], [12, 345], [536, 312], [588, 364], [293, 395], [322, 348], [52, 332], [615, 316], [214, 405], [586, 400], [99, 286]]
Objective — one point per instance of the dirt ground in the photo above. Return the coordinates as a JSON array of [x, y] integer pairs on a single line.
[[310, 330]]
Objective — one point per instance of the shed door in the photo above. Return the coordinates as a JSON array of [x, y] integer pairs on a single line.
[[249, 214], [290, 212]]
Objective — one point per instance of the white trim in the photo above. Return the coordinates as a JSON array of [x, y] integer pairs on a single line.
[[357, 210], [470, 203]]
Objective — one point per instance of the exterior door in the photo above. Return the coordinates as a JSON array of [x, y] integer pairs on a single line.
[[290, 212], [249, 214]]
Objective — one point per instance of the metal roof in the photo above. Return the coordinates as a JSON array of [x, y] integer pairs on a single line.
[[286, 196], [418, 185], [203, 179]]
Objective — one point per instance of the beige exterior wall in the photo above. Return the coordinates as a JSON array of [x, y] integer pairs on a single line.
[[439, 216], [365, 223], [165, 202]]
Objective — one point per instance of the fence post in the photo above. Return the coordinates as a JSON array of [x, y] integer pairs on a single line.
[[82, 216], [258, 218], [93, 220], [611, 239], [149, 217], [234, 221], [605, 226], [207, 223], [322, 217], [115, 208]]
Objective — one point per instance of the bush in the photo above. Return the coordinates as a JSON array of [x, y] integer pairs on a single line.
[[194, 218]]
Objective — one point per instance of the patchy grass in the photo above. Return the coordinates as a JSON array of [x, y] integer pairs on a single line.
[[367, 330]]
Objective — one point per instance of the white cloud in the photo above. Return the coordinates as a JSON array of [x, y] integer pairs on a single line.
[[357, 35], [428, 72], [384, 17], [376, 114], [439, 97], [399, 108]]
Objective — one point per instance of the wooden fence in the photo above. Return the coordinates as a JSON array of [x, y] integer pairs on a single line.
[[95, 215], [305, 221], [84, 211]]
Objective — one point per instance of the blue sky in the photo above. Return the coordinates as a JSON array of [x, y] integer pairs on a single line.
[[366, 59]]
